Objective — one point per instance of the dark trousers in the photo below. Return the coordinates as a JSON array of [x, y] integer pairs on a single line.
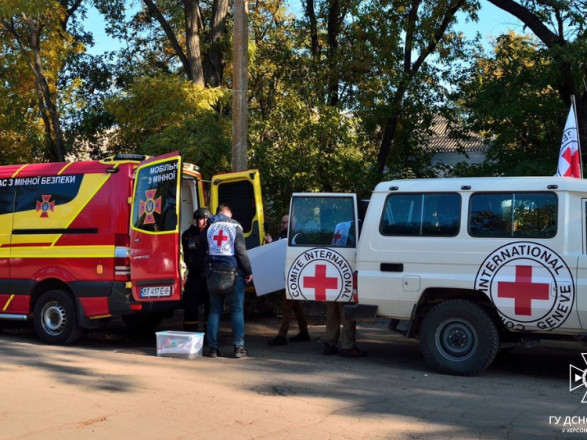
[[195, 295], [287, 306]]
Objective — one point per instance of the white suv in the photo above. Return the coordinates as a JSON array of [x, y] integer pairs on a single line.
[[463, 264]]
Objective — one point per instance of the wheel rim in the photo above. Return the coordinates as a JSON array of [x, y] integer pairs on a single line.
[[456, 340], [54, 318]]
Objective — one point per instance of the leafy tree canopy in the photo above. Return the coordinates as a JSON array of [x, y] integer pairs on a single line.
[[164, 114]]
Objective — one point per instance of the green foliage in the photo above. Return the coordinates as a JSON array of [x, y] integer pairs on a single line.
[[164, 114], [297, 140], [308, 149], [511, 101], [24, 134], [21, 130]]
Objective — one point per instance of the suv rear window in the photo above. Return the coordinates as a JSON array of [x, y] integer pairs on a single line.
[[529, 215]]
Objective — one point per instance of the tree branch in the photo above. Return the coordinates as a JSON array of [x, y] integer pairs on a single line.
[[170, 34], [545, 35], [440, 31]]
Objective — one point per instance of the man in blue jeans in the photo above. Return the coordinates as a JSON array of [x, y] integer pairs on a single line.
[[226, 245]]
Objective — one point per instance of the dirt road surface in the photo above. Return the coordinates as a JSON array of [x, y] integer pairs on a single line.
[[112, 385]]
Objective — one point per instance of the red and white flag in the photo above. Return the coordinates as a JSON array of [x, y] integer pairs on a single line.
[[569, 161]]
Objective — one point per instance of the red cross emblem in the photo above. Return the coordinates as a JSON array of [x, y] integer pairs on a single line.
[[150, 206], [320, 282], [523, 290], [45, 205], [220, 238]]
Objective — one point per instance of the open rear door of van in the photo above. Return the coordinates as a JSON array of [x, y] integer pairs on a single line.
[[154, 232], [241, 191], [322, 247]]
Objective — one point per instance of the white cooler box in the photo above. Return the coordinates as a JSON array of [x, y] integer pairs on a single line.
[[186, 345]]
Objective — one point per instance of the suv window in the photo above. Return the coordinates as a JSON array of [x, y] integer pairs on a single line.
[[427, 215], [529, 215], [322, 221]]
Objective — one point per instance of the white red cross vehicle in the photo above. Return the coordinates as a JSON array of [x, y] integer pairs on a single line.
[[466, 265]]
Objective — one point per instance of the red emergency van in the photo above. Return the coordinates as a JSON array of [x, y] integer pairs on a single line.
[[81, 242]]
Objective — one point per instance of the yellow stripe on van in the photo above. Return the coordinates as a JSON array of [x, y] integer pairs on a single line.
[[64, 168], [8, 303], [18, 171], [106, 251]]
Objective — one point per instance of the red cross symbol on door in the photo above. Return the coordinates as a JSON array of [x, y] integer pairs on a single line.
[[320, 282], [523, 290], [220, 238]]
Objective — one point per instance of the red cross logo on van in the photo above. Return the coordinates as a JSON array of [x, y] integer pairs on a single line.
[[530, 285], [320, 274], [320, 282], [523, 290], [150, 206], [45, 205]]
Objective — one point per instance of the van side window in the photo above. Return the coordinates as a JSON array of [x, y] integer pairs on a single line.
[[528, 215], [45, 193], [322, 221], [156, 189], [427, 215], [6, 200]]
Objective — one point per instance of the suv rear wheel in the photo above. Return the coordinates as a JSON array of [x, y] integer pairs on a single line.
[[459, 337]]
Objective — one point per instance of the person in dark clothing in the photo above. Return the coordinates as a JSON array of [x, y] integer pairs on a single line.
[[194, 255], [226, 245], [289, 305]]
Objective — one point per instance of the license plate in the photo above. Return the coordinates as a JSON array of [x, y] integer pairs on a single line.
[[155, 292]]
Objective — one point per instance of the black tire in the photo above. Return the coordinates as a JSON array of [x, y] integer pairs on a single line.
[[459, 337], [142, 323], [55, 318]]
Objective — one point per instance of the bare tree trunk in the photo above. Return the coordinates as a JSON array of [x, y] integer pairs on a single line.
[[410, 69], [311, 14], [193, 25], [47, 107], [333, 31], [189, 62], [214, 58], [240, 86]]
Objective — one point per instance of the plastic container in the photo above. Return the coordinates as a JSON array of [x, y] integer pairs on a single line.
[[186, 345]]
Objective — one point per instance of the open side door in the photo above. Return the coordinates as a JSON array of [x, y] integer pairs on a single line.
[[322, 247], [154, 232], [241, 191]]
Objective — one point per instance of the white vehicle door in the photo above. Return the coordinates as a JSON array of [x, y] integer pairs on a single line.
[[581, 276], [322, 247]]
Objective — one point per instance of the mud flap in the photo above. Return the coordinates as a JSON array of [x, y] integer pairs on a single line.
[[360, 312]]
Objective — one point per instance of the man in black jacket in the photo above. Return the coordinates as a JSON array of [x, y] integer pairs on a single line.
[[226, 245], [195, 289]]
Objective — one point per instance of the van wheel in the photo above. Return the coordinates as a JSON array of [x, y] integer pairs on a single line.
[[55, 319], [459, 337]]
